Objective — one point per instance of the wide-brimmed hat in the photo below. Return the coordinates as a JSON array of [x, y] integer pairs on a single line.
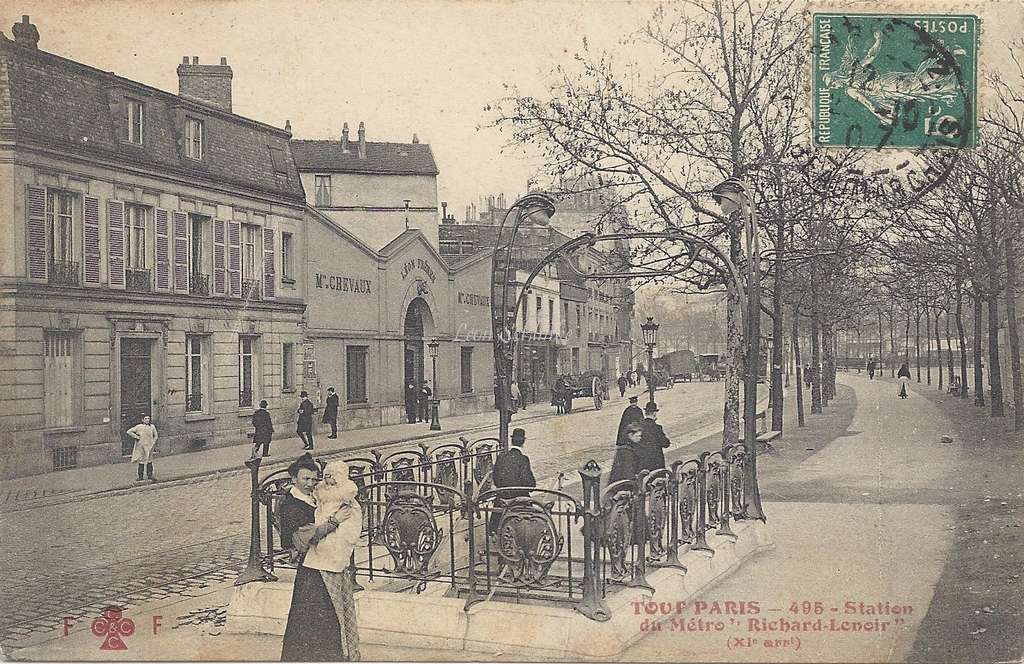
[[634, 399], [651, 407]]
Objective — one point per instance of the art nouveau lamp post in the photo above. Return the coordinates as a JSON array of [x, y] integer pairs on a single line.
[[435, 402], [650, 331], [734, 195]]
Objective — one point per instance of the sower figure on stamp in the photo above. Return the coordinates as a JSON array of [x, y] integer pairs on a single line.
[[331, 412], [264, 427], [304, 424], [145, 436]]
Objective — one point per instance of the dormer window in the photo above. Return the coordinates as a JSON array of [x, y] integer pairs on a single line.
[[134, 118], [194, 138]]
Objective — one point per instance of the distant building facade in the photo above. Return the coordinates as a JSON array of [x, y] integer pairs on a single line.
[[374, 190]]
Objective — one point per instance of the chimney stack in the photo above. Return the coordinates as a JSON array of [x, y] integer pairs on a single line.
[[208, 84], [415, 138], [25, 33], [344, 138], [362, 141], [444, 212]]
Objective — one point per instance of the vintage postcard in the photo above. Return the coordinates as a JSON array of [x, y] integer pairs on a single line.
[[512, 330]]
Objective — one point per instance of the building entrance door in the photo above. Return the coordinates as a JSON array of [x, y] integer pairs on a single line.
[[136, 387]]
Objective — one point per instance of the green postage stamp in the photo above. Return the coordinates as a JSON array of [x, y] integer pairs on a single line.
[[893, 80]]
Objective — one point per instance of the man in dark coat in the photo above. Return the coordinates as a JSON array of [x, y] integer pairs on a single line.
[[624, 465], [632, 413], [651, 451], [264, 427], [622, 385], [424, 402], [412, 398], [331, 412], [304, 425], [511, 468]]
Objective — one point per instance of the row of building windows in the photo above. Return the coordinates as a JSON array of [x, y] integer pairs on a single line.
[[135, 112], [64, 219], [62, 355]]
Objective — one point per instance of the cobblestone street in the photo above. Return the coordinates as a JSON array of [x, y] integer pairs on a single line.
[[158, 542]]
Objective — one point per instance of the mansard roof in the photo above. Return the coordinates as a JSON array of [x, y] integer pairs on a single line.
[[327, 156]]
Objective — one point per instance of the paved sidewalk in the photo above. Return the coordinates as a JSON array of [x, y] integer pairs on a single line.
[[70, 485]]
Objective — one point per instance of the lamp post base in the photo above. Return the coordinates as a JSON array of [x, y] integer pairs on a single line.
[[435, 424]]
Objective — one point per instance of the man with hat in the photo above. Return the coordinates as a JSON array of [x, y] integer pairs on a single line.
[[632, 413], [304, 424], [511, 468], [651, 450]]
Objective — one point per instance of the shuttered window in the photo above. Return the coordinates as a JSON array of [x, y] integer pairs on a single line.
[[194, 370], [355, 373], [194, 138], [322, 187], [134, 121], [246, 368], [286, 256], [135, 236], [60, 221], [466, 369], [58, 379]]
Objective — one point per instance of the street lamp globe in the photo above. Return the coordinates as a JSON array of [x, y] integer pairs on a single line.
[[537, 209], [433, 346], [729, 195], [650, 331]]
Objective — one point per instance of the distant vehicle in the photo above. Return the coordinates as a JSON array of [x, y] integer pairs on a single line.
[[679, 365], [708, 367]]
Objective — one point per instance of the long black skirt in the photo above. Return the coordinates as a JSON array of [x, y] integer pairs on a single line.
[[313, 633]]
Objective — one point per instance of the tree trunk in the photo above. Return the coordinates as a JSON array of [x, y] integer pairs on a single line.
[[979, 384], [893, 359], [733, 359], [906, 339], [829, 344], [995, 378], [928, 344], [938, 346], [777, 332], [949, 347], [880, 365], [1011, 324], [961, 341], [815, 354], [917, 338], [799, 377]]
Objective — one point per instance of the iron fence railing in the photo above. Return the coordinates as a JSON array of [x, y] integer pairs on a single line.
[[431, 515]]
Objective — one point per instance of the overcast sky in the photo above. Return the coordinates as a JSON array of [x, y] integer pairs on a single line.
[[424, 66], [400, 67]]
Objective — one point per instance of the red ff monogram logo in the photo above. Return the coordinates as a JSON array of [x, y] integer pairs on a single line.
[[113, 627]]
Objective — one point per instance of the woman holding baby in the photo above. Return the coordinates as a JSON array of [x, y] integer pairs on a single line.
[[320, 523]]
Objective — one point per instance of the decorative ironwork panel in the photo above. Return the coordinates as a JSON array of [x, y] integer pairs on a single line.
[[657, 511], [528, 542], [618, 531], [411, 534]]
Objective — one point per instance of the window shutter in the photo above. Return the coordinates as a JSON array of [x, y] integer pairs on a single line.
[[180, 224], [269, 273], [36, 233], [163, 251], [235, 257], [91, 240], [219, 274], [115, 243]]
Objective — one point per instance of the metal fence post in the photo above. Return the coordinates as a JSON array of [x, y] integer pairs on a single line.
[[472, 597], [700, 542], [254, 568], [639, 579], [672, 555], [592, 605]]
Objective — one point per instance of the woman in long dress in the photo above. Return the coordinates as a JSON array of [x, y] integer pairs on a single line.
[[322, 617]]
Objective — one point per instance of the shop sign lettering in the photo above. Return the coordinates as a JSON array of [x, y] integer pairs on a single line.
[[421, 264], [344, 284]]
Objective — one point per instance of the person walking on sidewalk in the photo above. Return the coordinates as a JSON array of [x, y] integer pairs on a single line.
[[331, 412], [630, 415], [871, 369], [304, 425], [411, 399], [264, 427], [424, 402], [625, 464], [145, 436], [904, 377], [651, 451], [622, 385]]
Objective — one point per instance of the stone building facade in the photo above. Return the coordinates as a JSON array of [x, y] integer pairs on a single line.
[[150, 266]]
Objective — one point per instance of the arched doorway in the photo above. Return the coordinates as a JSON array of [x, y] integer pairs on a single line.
[[419, 324]]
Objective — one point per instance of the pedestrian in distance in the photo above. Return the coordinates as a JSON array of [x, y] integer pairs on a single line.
[[651, 451], [630, 414], [570, 389], [622, 385], [904, 377], [517, 397], [411, 401], [304, 423], [264, 431], [145, 436], [424, 402], [331, 412], [558, 395], [625, 465], [808, 377], [871, 369], [511, 469]]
